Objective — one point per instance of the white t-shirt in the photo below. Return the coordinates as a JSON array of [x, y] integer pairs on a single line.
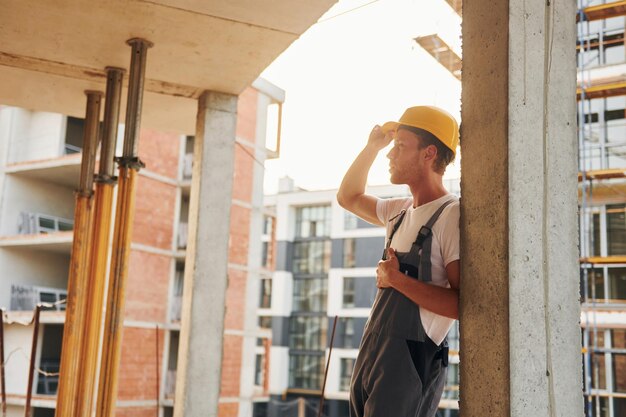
[[445, 246]]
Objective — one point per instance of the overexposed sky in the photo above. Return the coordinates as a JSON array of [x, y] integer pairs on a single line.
[[351, 71]]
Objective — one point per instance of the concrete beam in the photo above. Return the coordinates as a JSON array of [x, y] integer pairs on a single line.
[[206, 266], [520, 310]]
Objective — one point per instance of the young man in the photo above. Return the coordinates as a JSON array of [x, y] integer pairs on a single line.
[[401, 367]]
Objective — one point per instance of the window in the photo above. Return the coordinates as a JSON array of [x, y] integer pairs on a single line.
[[265, 254], [308, 332], [349, 253], [346, 335], [313, 222], [350, 221], [259, 369], [305, 371], [268, 223], [616, 229], [617, 283], [265, 322], [310, 294], [311, 257], [347, 364], [348, 292], [265, 300]]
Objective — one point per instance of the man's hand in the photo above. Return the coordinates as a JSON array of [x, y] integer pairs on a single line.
[[378, 139], [386, 270]]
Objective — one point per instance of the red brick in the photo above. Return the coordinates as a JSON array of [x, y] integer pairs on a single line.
[[155, 204], [147, 287], [239, 235], [246, 114], [228, 410], [235, 300], [244, 173], [138, 366], [231, 366], [160, 152]]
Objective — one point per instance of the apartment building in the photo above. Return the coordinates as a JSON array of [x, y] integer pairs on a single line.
[[40, 157], [602, 197], [324, 265]]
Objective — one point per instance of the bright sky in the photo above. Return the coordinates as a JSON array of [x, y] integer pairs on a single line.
[[350, 72]]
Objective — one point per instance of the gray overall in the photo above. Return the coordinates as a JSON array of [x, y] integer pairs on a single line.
[[399, 371]]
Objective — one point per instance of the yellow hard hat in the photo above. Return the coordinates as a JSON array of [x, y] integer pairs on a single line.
[[432, 119]]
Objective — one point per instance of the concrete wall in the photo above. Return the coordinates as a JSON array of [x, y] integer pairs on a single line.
[[50, 270], [18, 339], [520, 338], [29, 195], [36, 135]]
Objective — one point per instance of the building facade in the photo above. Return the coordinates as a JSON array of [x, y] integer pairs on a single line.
[[602, 199], [40, 156], [324, 267]]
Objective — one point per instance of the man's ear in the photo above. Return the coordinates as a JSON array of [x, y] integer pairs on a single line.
[[431, 152]]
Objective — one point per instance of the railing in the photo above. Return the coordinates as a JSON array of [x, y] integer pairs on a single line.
[[36, 223], [71, 149], [48, 381], [26, 297], [183, 234], [170, 384], [187, 165], [175, 312]]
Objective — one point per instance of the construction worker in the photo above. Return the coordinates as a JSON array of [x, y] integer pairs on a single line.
[[401, 367]]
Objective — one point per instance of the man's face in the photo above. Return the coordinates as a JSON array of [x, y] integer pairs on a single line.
[[406, 163]]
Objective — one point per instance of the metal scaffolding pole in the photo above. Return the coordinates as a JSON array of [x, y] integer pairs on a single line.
[[77, 281], [129, 165], [103, 205]]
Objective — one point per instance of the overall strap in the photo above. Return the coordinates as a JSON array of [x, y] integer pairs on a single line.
[[400, 217], [424, 242]]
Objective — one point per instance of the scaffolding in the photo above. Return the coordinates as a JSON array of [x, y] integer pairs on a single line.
[[602, 196]]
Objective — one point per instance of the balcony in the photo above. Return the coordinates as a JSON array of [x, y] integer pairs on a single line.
[[26, 297]]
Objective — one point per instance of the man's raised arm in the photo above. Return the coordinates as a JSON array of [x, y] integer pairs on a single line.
[[351, 194]]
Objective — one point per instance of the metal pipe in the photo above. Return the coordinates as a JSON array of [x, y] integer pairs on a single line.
[[116, 295], [31, 366], [103, 206], [158, 388], [73, 332], [135, 95], [129, 166], [92, 124], [2, 380], [115, 77]]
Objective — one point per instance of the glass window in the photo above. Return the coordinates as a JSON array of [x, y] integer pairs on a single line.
[[259, 369], [349, 252], [618, 338], [451, 390], [308, 332], [350, 221], [616, 229], [305, 371], [348, 292], [617, 283], [347, 364], [311, 257], [346, 337], [310, 294], [268, 223], [265, 322], [313, 221], [595, 284], [266, 293]]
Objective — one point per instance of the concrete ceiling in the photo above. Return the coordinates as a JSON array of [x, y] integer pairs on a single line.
[[51, 51]]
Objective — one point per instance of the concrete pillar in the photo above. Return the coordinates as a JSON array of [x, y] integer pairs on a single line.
[[206, 265], [520, 311]]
